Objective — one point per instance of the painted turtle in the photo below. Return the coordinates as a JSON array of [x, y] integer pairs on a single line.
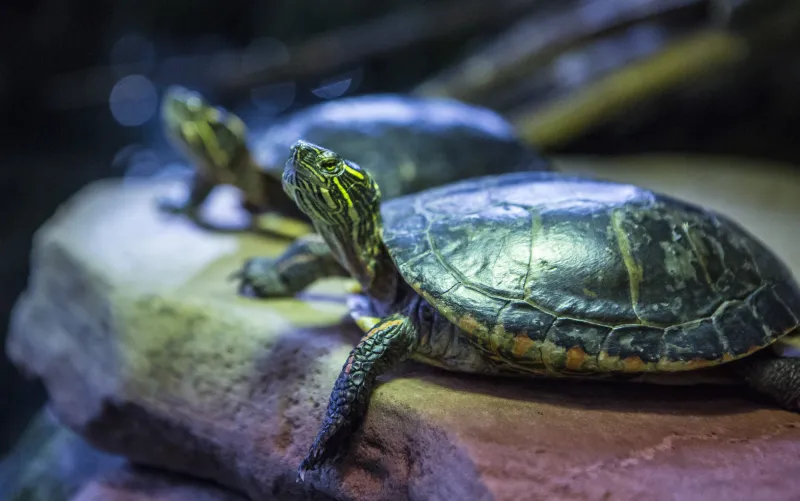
[[537, 274], [407, 144]]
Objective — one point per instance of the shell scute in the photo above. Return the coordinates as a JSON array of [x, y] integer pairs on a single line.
[[574, 253], [775, 317], [575, 344], [638, 341], [503, 235], [789, 294], [738, 325], [521, 317], [695, 341]]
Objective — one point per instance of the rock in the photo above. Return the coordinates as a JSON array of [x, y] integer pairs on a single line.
[[50, 463], [137, 484], [147, 352]]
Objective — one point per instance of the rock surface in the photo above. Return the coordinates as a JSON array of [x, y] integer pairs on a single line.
[[52, 463], [137, 484], [147, 352]]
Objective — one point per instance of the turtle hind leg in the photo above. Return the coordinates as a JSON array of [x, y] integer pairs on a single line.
[[388, 343], [775, 377]]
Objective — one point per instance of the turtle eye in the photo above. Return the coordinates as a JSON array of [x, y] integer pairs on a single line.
[[329, 165]]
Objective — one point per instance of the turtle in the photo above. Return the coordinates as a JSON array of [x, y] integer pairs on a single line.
[[537, 274], [423, 142]]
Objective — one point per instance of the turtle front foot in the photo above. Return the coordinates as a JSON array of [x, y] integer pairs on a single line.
[[260, 277], [389, 342]]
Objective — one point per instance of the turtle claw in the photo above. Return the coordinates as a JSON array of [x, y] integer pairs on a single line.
[[301, 475], [313, 460]]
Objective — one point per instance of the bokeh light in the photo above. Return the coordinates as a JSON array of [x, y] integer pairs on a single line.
[[275, 98], [338, 85], [133, 100]]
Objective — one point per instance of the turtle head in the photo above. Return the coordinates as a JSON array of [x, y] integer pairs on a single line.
[[212, 138], [343, 202], [328, 188]]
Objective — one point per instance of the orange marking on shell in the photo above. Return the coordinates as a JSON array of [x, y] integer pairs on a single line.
[[633, 364], [575, 358], [699, 363], [522, 344]]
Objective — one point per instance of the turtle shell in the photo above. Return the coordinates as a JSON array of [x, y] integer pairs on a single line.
[[407, 143], [563, 274]]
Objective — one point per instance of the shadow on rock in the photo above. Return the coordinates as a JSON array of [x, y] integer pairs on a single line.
[[618, 396]]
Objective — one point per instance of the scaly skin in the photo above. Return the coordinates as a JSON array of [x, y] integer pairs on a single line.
[[775, 377], [388, 343], [307, 259]]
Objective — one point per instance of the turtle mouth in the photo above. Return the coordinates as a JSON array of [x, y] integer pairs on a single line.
[[303, 156], [299, 169], [289, 180]]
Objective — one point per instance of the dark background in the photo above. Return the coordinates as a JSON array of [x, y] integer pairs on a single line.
[[79, 82]]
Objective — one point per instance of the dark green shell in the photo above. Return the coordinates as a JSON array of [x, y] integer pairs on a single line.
[[581, 275], [407, 143]]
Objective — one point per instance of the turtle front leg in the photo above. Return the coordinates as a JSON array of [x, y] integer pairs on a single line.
[[200, 188], [391, 341], [773, 376], [306, 260]]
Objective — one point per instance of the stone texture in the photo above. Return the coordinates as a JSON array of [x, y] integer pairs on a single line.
[[147, 352], [138, 484], [52, 463]]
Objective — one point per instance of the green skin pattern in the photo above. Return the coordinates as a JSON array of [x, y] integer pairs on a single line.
[[401, 320], [439, 134]]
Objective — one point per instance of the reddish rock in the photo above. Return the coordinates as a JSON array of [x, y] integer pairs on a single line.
[[141, 485], [147, 352]]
